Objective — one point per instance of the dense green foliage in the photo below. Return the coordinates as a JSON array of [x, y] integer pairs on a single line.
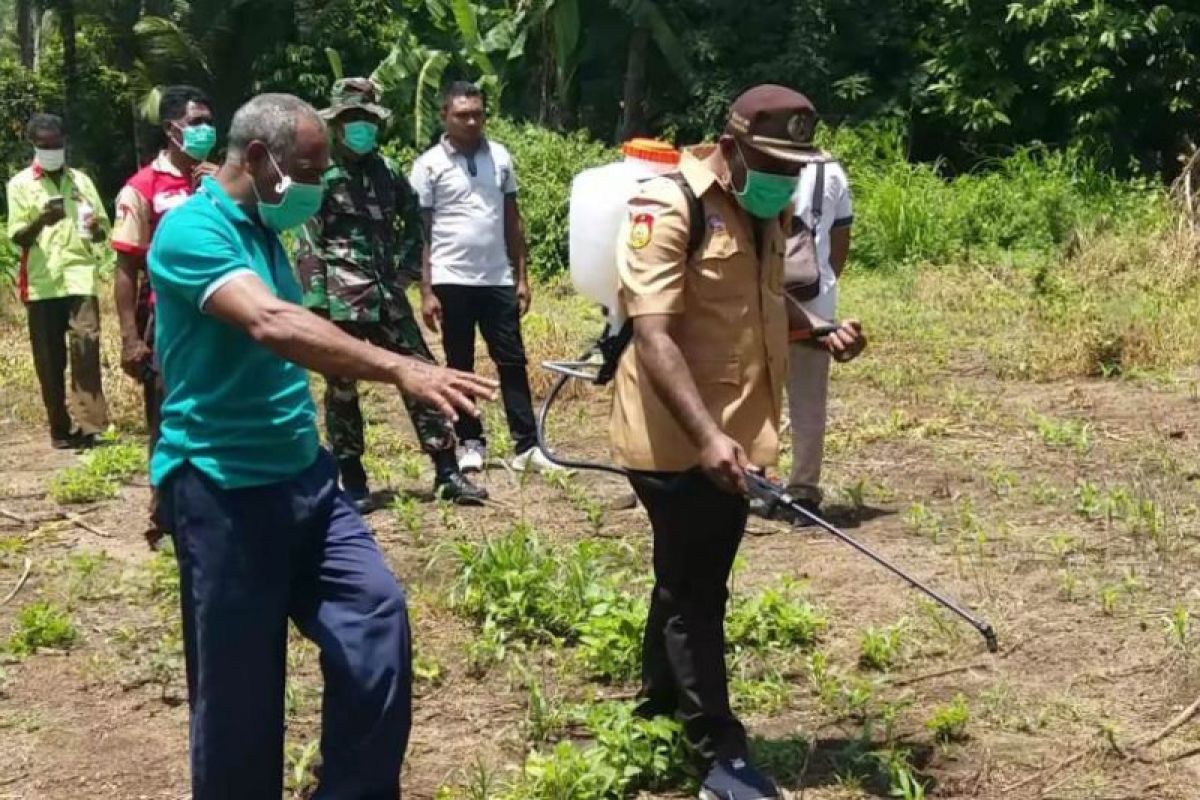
[[963, 81]]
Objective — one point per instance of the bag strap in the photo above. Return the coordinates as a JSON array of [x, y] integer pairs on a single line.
[[818, 199], [695, 214]]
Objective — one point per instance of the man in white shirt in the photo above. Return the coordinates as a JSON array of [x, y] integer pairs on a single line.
[[829, 215], [474, 266]]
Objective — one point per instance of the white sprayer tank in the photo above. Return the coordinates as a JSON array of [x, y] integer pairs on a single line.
[[599, 199]]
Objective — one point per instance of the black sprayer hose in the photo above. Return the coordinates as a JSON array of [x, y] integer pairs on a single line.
[[774, 495]]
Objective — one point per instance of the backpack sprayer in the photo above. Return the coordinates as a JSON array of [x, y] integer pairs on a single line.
[[598, 199]]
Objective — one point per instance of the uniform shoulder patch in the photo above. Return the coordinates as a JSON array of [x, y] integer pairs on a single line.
[[641, 230]]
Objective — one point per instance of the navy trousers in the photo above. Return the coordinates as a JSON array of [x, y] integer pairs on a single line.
[[250, 559]]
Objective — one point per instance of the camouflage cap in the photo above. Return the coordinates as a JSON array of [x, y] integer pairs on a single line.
[[355, 93]]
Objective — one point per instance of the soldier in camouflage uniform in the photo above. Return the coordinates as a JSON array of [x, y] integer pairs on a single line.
[[352, 267]]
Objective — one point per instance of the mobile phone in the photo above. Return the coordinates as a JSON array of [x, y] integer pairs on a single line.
[[56, 202]]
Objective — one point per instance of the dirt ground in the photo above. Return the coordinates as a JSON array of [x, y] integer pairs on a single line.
[[1066, 513]]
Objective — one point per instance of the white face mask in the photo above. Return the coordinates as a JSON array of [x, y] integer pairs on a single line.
[[50, 160]]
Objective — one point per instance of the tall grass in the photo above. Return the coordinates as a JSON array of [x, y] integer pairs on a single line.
[[1034, 201]]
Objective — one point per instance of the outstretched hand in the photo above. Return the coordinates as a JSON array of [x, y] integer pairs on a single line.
[[450, 391]]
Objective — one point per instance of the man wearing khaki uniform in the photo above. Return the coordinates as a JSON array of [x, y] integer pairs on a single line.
[[698, 400]]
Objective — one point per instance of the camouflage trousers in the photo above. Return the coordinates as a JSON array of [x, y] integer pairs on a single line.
[[397, 331]]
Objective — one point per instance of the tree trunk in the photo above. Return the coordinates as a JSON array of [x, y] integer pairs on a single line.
[[25, 34], [634, 120], [66, 21]]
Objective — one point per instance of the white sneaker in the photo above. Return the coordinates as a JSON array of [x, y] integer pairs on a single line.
[[534, 460], [471, 456]]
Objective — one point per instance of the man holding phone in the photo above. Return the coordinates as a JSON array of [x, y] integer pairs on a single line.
[[56, 218]]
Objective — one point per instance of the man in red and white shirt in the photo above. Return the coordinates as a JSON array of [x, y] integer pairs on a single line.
[[169, 180]]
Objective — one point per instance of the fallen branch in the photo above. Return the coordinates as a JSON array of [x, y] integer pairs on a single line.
[[82, 523], [4, 512], [20, 581], [1066, 762], [1178, 722], [928, 676]]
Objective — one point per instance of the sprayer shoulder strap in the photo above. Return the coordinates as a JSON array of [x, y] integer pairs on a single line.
[[695, 214]]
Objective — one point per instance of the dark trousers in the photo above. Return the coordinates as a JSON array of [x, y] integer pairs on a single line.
[[697, 530], [397, 331], [62, 330], [250, 559], [495, 311], [153, 389]]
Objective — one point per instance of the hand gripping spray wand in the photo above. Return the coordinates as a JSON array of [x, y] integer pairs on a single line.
[[600, 372]]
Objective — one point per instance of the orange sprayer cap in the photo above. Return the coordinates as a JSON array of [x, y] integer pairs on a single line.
[[653, 150]]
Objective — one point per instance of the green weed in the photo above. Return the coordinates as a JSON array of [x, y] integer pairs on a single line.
[[409, 515], [1068, 584], [903, 782], [628, 754], [100, 474], [1109, 596], [1002, 480], [767, 695], [949, 723], [1045, 493], [302, 760], [41, 625], [775, 618], [924, 521], [880, 648], [610, 638], [1179, 626], [1074, 434]]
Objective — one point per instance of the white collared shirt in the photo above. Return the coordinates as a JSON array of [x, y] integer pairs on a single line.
[[466, 195]]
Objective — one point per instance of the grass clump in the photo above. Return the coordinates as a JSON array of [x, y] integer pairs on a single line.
[[100, 474], [949, 722], [41, 625], [880, 648]]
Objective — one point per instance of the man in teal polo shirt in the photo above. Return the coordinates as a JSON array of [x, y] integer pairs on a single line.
[[262, 532]]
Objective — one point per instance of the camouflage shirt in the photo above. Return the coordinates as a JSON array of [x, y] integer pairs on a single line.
[[364, 244]]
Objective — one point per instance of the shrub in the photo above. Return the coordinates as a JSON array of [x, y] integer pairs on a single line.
[[546, 163]]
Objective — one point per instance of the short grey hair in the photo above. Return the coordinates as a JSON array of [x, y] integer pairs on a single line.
[[270, 119]]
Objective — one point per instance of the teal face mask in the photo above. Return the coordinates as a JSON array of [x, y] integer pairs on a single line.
[[765, 194], [298, 202], [360, 137], [198, 140]]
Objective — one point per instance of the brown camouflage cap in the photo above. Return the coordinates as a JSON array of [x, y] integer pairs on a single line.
[[355, 93]]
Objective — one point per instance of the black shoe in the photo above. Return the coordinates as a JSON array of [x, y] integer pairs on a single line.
[[62, 443], [735, 779], [354, 483], [770, 509], [85, 441], [455, 487]]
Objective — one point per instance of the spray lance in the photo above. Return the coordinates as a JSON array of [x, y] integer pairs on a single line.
[[598, 366], [599, 198]]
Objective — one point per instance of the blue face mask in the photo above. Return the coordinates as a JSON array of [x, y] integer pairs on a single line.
[[298, 202], [198, 140], [361, 137]]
